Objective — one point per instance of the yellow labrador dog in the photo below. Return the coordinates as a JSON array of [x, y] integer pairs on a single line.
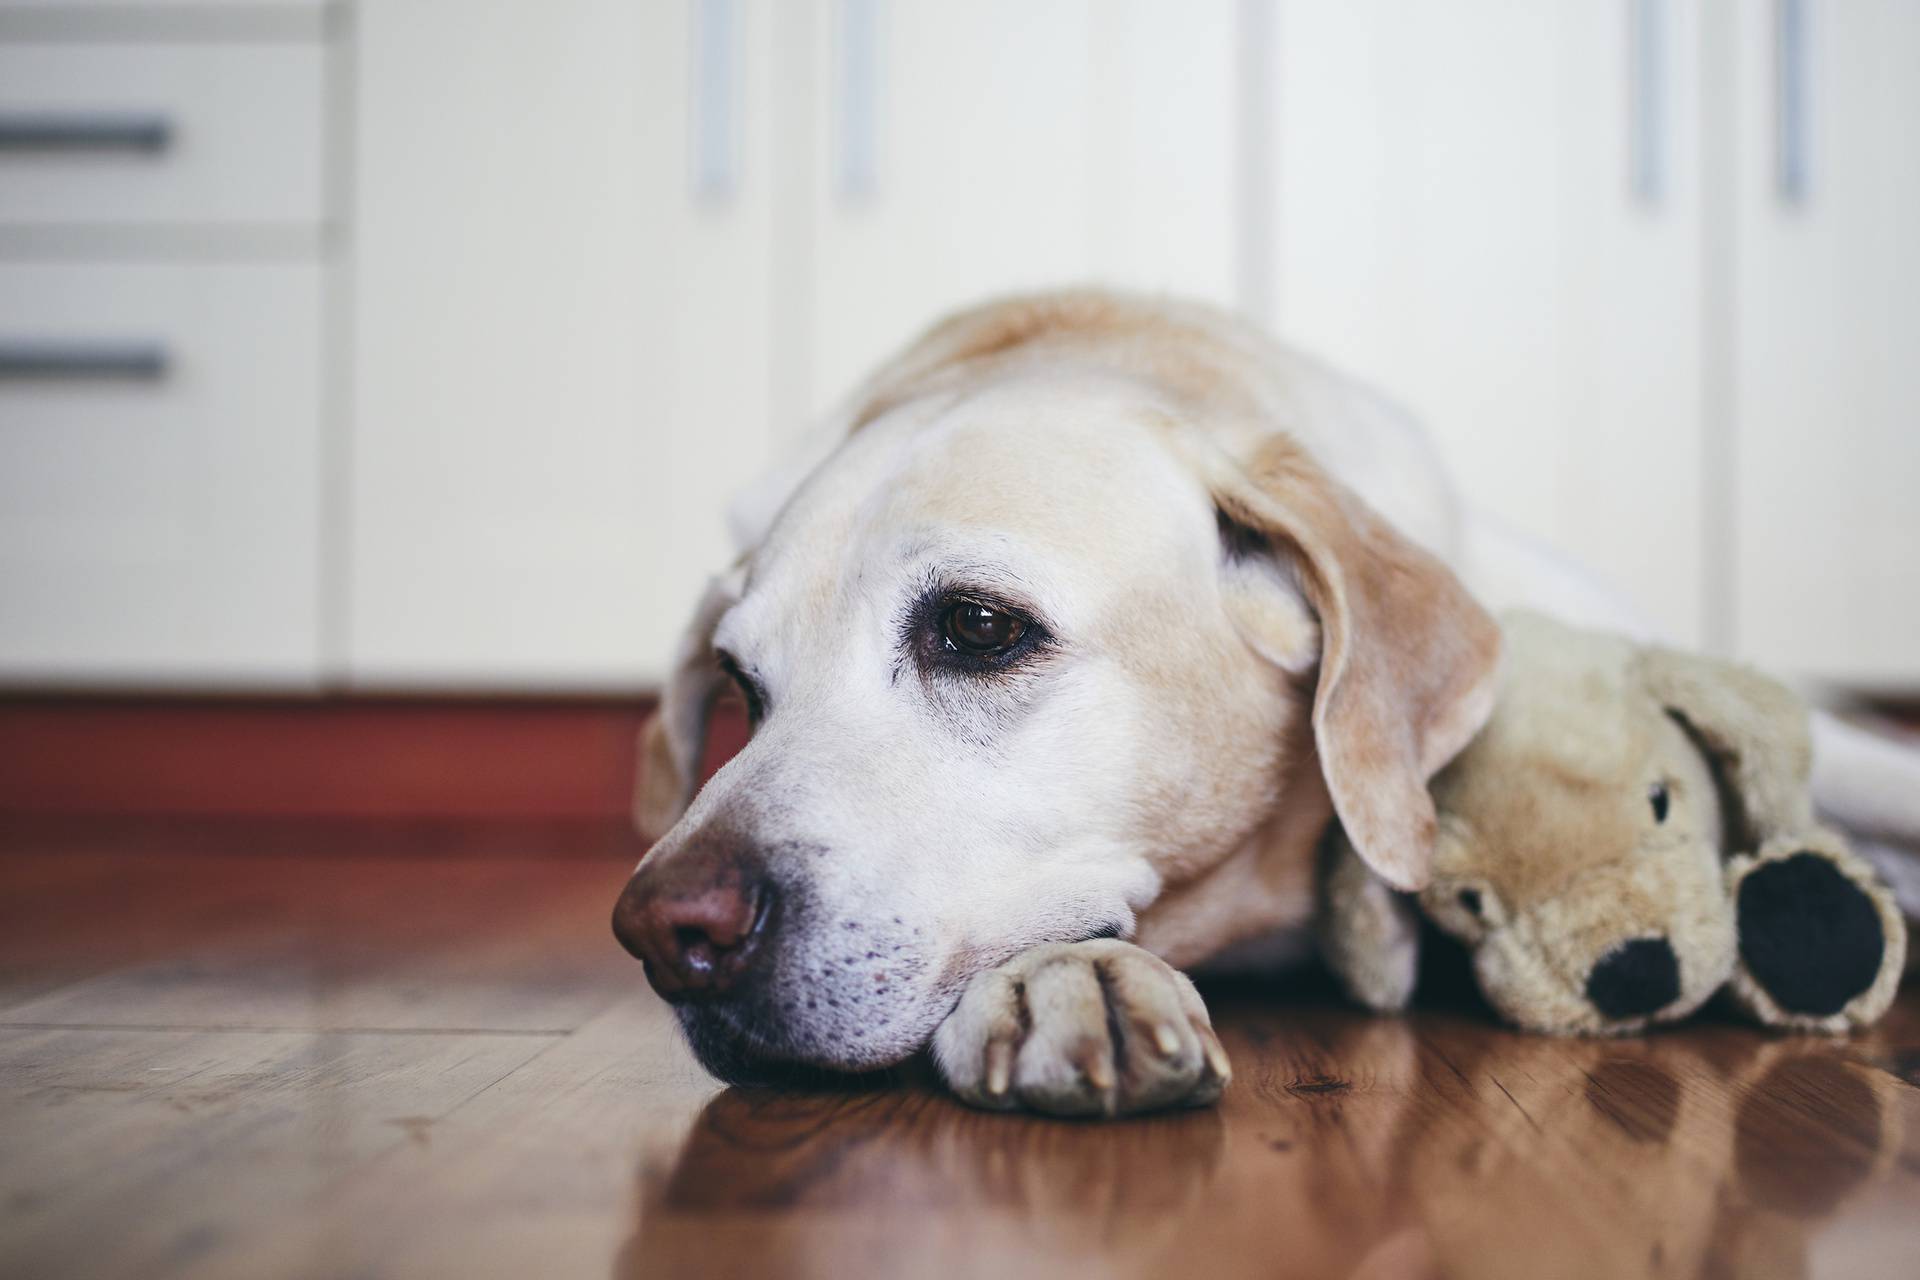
[[1059, 665]]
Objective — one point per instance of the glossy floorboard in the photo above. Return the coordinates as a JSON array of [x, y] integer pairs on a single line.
[[349, 1058]]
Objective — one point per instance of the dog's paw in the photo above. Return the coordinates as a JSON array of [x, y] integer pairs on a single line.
[[1082, 1028]]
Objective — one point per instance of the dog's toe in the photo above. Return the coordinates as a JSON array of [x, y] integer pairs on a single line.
[[1088, 1028]]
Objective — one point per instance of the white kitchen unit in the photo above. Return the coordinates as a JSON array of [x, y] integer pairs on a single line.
[[580, 326], [957, 151], [1492, 210], [1823, 395], [560, 335], [163, 375], [421, 344]]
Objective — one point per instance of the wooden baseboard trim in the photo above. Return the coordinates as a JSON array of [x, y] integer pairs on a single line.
[[374, 758]]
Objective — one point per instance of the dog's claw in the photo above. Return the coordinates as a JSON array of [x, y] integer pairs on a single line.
[[1098, 1069], [999, 1068], [1216, 1056]]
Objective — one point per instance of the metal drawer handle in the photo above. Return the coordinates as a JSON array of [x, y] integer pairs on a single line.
[[60, 361], [102, 131]]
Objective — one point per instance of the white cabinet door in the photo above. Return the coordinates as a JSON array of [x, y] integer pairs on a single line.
[[955, 151], [560, 331], [1826, 315], [160, 473], [1457, 220]]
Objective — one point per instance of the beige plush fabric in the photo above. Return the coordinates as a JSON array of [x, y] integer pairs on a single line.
[[1594, 839]]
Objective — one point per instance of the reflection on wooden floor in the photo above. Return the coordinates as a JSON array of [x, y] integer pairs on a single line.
[[371, 1063]]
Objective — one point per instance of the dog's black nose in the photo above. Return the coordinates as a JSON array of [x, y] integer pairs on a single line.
[[697, 929], [1636, 978]]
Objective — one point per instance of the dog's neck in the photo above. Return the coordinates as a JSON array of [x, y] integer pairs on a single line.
[[1264, 886]]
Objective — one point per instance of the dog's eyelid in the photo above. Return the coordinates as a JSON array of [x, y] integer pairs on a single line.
[[749, 685], [948, 594]]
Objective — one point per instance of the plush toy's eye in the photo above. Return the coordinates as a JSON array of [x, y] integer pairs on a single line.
[[1657, 797], [1466, 908]]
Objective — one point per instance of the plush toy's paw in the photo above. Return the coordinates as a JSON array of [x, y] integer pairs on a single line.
[[1082, 1028], [1822, 943]]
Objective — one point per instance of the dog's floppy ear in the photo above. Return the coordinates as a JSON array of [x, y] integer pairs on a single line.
[[675, 735], [1408, 661], [1751, 726]]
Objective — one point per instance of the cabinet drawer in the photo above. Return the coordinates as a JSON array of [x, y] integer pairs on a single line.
[[160, 472], [219, 134]]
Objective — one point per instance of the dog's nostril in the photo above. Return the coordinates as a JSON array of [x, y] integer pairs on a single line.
[[696, 947], [1635, 979]]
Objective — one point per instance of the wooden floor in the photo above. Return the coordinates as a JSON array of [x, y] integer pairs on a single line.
[[351, 1051]]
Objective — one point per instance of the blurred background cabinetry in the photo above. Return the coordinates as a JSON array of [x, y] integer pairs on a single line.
[[425, 346], [166, 236]]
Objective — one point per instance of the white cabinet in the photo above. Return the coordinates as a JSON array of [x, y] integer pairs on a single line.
[[957, 151], [1825, 378], [581, 324], [560, 340], [164, 377], [477, 312], [1467, 216]]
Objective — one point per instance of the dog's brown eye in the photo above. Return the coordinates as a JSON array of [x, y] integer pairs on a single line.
[[1657, 797], [977, 628]]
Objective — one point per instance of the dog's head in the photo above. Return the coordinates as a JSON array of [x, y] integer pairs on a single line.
[[1023, 653]]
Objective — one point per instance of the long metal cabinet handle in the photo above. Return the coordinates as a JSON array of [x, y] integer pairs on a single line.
[[857, 161], [715, 108], [1647, 100], [1792, 87]]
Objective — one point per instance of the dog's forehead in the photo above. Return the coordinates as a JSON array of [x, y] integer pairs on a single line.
[[1052, 479]]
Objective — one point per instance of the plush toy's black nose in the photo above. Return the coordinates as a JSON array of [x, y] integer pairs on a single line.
[[1639, 977]]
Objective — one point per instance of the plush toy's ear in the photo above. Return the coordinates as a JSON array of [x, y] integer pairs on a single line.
[[1408, 662], [1754, 730], [674, 736]]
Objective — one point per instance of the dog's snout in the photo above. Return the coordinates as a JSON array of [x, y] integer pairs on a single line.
[[1635, 979], [697, 936]]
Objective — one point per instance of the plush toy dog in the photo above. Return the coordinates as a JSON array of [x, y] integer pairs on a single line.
[[1631, 832]]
